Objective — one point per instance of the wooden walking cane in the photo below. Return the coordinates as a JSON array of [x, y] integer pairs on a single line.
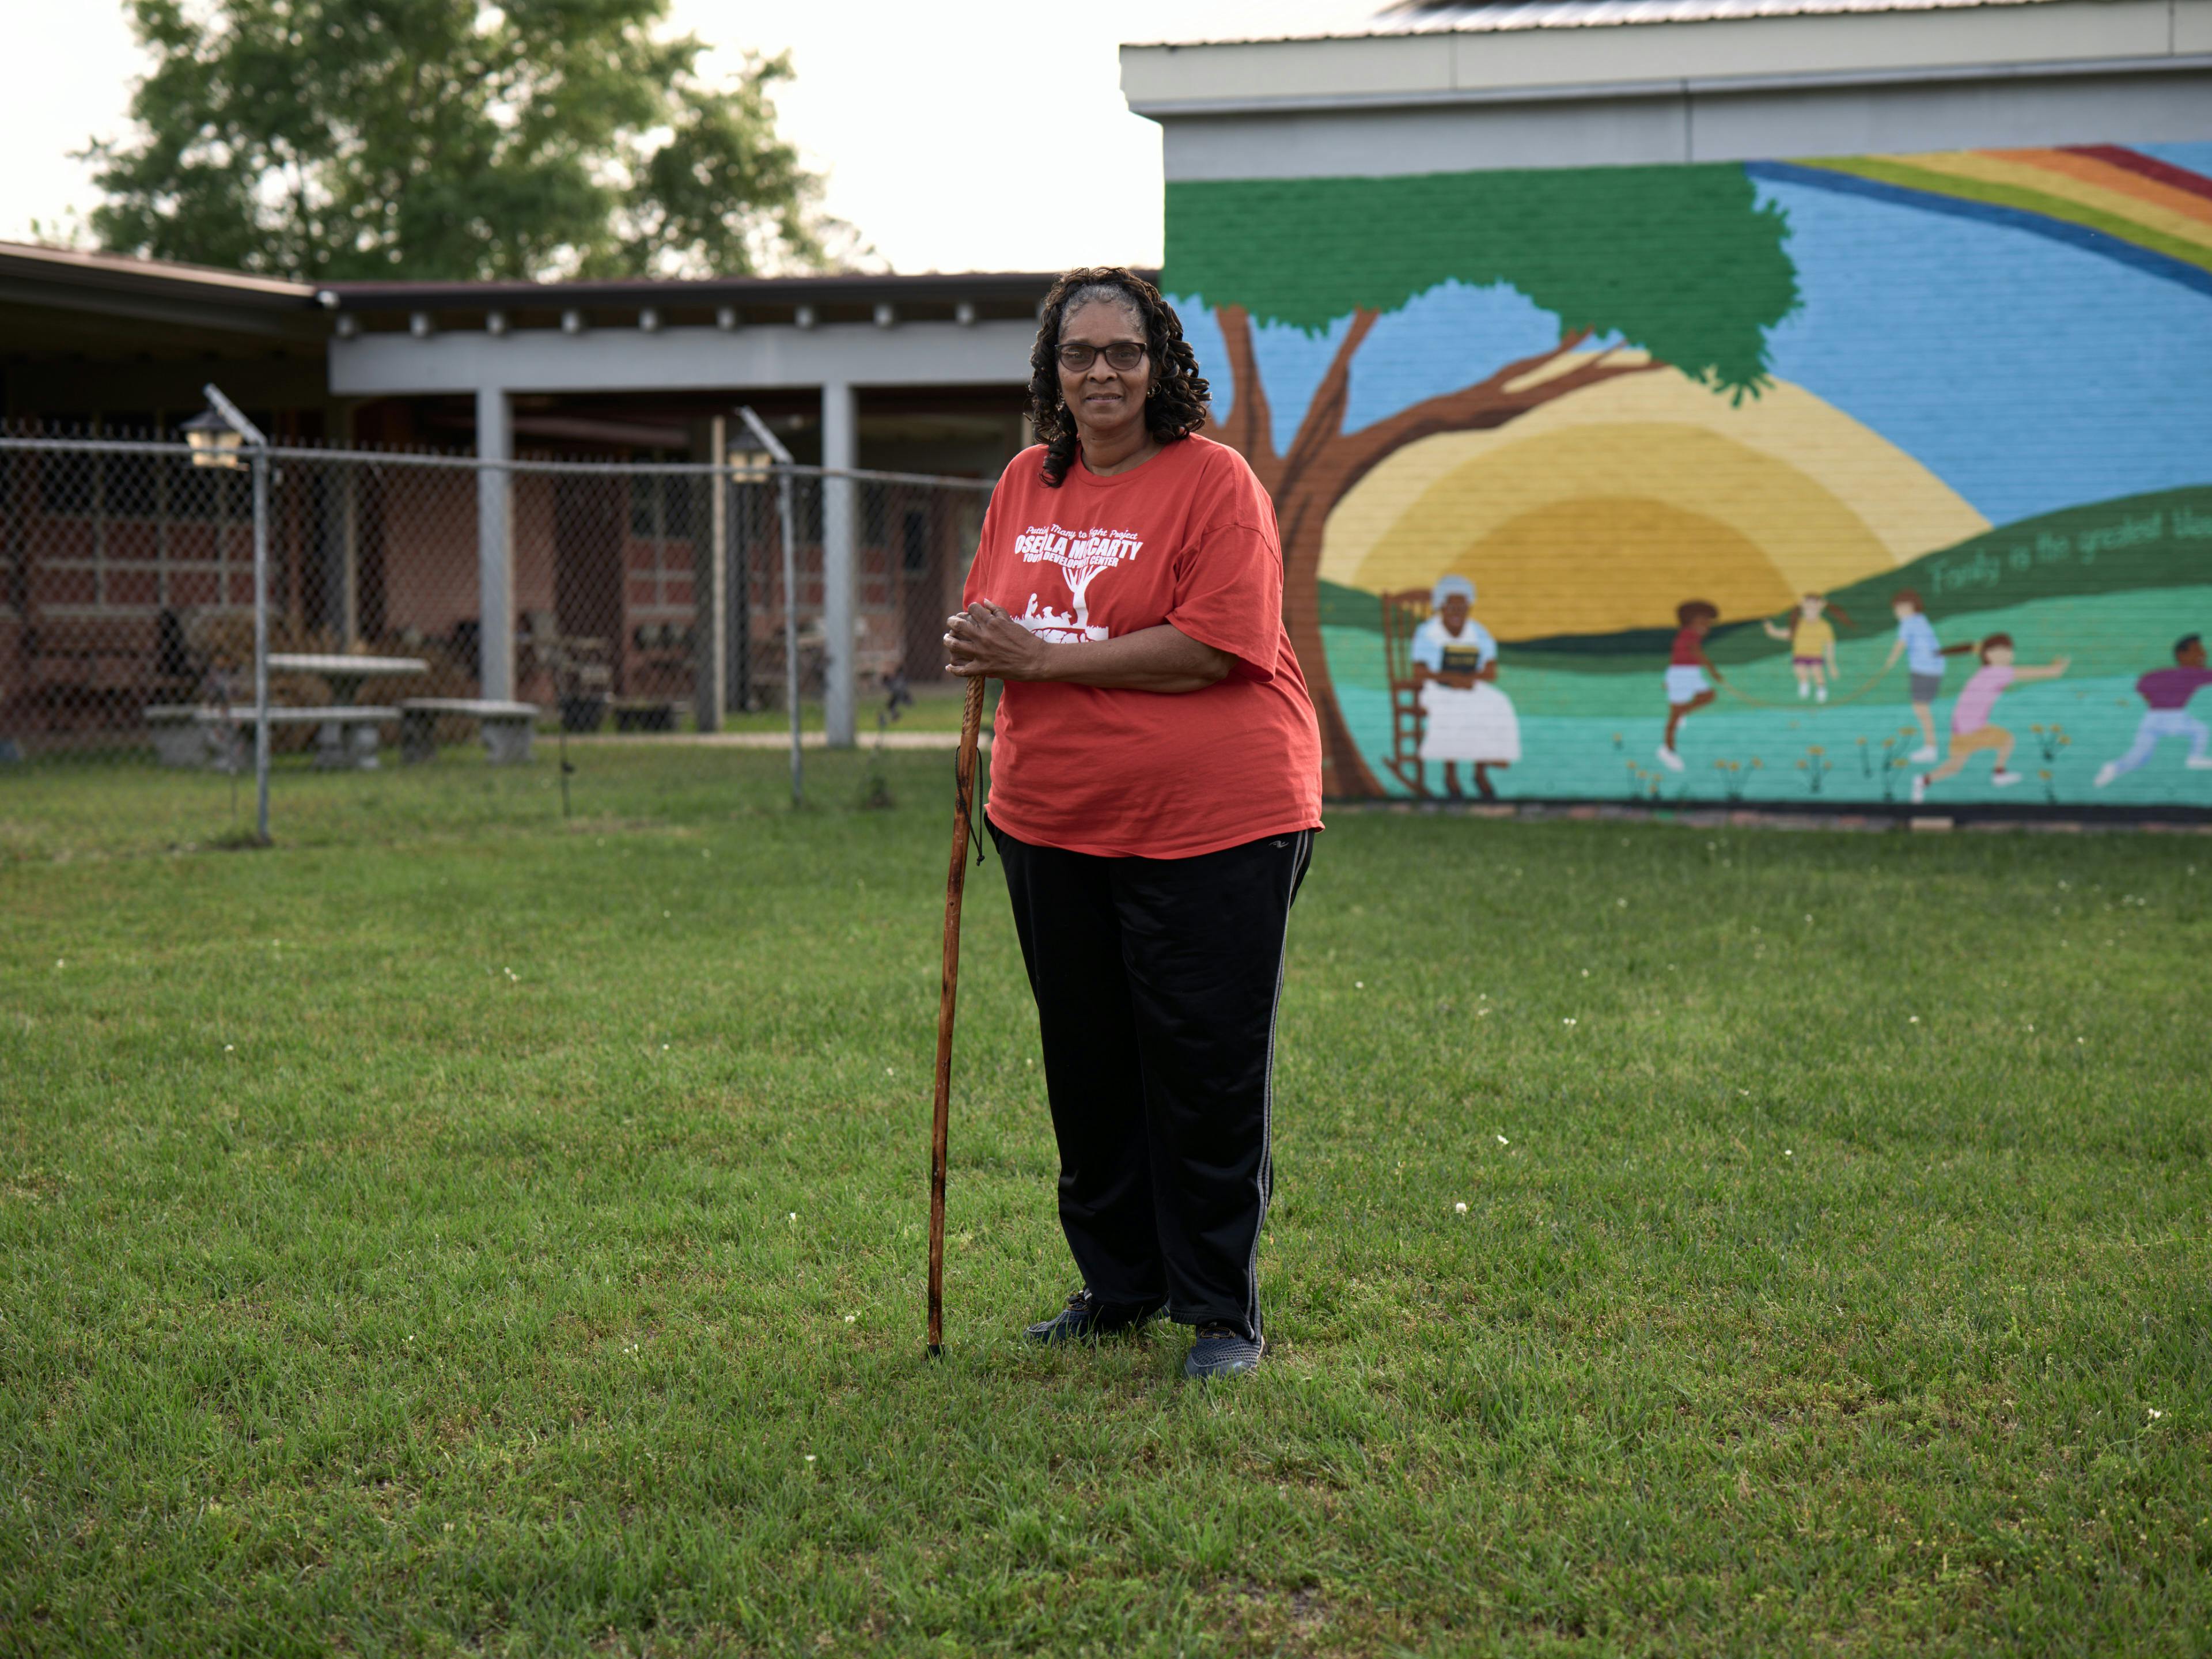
[[956, 883]]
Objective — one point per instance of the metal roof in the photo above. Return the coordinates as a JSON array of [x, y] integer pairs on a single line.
[[128, 271], [1027, 287], [69, 299], [1358, 19], [1480, 16]]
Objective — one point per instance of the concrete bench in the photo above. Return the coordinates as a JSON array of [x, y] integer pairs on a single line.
[[187, 735], [190, 734], [644, 714], [507, 727]]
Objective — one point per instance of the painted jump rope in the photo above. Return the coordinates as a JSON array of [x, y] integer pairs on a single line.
[[1728, 686]]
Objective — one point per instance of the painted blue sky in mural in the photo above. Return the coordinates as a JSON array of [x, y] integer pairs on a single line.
[[1965, 344], [1969, 346]]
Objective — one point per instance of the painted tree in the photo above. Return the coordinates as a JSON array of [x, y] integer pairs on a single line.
[[1085, 566], [1677, 269], [1081, 559]]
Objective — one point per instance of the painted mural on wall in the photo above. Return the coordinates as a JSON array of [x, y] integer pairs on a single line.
[[1872, 479]]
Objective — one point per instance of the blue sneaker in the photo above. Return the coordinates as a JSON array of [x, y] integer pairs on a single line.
[[1085, 1318], [1222, 1350]]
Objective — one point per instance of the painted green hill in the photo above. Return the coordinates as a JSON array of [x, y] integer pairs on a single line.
[[2159, 540]]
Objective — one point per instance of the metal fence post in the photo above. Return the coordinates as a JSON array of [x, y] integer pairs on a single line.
[[710, 605], [774, 445], [791, 623], [737, 607], [261, 644]]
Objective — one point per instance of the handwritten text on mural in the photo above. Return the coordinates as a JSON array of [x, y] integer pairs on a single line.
[[1986, 567]]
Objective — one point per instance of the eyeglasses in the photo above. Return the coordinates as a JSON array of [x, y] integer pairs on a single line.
[[1124, 354]]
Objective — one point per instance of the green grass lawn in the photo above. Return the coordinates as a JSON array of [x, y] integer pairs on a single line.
[[935, 708], [460, 1230]]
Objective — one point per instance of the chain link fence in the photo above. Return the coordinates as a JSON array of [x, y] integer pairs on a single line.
[[639, 597]]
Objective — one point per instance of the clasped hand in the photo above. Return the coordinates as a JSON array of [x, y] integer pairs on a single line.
[[986, 640]]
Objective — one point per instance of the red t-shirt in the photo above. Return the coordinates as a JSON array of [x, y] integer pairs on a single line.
[[1187, 538], [1689, 649]]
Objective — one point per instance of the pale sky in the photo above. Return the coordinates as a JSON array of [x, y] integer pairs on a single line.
[[980, 135]]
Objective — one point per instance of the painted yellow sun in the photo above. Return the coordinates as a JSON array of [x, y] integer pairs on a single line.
[[1605, 509]]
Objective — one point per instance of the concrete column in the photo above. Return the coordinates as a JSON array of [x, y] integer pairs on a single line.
[[496, 542], [841, 448]]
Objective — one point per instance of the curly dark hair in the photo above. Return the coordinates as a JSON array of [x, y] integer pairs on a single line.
[[1175, 405]]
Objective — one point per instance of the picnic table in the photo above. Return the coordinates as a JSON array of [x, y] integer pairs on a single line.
[[347, 739], [345, 672]]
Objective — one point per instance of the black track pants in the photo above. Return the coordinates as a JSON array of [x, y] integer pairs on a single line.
[[1156, 983]]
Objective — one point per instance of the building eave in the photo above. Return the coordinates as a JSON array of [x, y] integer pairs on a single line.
[[839, 289], [219, 304], [1638, 51], [1696, 86]]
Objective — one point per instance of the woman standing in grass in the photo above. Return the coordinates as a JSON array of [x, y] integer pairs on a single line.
[[1155, 787]]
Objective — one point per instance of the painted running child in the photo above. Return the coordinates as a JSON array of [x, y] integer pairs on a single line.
[[1924, 660], [1812, 644], [1687, 688], [2168, 692], [1971, 729]]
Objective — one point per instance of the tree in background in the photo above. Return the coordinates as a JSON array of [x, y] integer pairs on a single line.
[[336, 139], [1673, 268]]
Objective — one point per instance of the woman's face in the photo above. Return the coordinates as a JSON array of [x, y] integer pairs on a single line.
[[1455, 612], [1102, 398]]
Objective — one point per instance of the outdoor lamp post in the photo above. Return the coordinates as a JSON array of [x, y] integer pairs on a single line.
[[213, 441], [781, 463], [218, 437], [747, 466]]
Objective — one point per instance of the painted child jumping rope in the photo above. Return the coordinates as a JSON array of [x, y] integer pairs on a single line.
[[1687, 688], [1923, 653], [1971, 729], [2167, 691], [1812, 644], [1468, 718]]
